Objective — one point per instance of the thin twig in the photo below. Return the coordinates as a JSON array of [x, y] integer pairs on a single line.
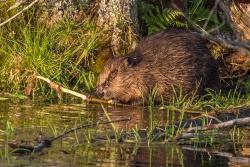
[[13, 17], [211, 14]]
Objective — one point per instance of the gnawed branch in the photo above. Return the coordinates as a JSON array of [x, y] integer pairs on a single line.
[[58, 88]]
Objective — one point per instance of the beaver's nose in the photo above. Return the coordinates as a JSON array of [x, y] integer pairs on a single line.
[[100, 91]]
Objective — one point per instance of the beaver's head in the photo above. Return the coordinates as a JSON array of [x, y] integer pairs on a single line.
[[119, 81]]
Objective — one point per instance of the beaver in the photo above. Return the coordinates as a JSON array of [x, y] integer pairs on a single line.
[[167, 61]]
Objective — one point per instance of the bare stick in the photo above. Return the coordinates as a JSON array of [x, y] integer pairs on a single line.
[[193, 132], [227, 124], [13, 17], [59, 89]]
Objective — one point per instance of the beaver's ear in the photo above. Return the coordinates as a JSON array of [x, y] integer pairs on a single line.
[[134, 59]]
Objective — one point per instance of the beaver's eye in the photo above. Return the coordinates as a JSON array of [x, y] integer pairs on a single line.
[[134, 59]]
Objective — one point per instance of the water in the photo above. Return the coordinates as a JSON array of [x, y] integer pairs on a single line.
[[30, 120]]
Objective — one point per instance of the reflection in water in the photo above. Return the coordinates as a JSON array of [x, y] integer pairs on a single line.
[[31, 120]]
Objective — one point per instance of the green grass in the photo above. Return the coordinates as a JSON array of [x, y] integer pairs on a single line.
[[64, 53], [183, 104], [212, 100], [7, 135]]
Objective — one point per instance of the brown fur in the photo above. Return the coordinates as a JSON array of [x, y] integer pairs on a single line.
[[171, 58]]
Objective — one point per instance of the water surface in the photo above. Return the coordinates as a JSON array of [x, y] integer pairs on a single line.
[[31, 120]]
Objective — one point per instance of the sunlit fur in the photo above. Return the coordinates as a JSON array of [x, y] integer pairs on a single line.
[[172, 58]]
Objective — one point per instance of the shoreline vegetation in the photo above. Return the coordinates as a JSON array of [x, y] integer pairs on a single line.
[[177, 132], [72, 52]]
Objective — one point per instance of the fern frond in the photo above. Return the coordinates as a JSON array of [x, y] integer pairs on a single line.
[[157, 20]]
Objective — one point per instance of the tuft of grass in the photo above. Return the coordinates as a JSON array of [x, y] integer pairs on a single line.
[[212, 100], [152, 95], [63, 53], [232, 99], [7, 133]]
